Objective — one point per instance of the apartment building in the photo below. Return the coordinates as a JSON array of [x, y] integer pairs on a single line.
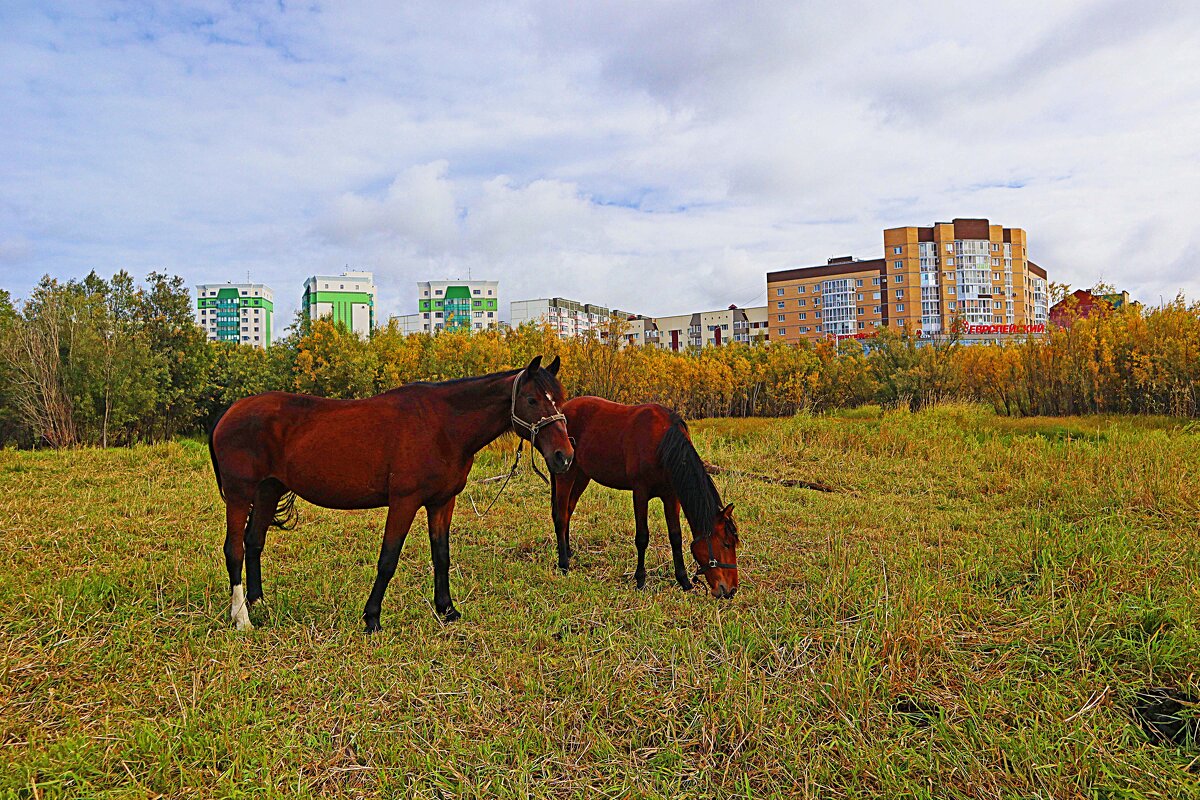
[[457, 305], [348, 298], [713, 328], [565, 317], [236, 312], [966, 273]]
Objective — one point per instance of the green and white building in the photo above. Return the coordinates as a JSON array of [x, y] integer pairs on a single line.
[[454, 306], [236, 312], [347, 298]]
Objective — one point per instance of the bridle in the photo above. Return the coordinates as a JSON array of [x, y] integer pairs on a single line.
[[712, 559], [533, 429]]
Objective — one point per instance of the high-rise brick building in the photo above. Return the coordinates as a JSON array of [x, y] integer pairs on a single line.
[[966, 272]]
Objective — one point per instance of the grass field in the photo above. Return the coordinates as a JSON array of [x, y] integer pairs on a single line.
[[970, 615]]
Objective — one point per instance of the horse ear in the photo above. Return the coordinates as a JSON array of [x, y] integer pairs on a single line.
[[534, 365], [554, 365], [727, 511]]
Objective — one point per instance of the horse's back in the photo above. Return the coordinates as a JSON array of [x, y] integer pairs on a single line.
[[617, 444], [335, 453]]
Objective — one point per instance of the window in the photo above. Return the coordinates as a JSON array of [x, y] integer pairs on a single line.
[[875, 309], [949, 262], [436, 291], [803, 330], [779, 318], [861, 325], [949, 247], [951, 304], [426, 315], [818, 329], [897, 279], [897, 250], [779, 292], [817, 315], [897, 264], [874, 281], [899, 294], [491, 314], [860, 297], [479, 314], [799, 290], [341, 286], [783, 331], [801, 303], [779, 304], [477, 291], [803, 315], [437, 315], [874, 295], [900, 322], [858, 282], [861, 311], [995, 262], [950, 290]]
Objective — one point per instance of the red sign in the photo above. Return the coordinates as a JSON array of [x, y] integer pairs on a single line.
[[972, 330]]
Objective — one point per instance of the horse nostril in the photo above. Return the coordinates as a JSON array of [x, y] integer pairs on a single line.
[[733, 591]]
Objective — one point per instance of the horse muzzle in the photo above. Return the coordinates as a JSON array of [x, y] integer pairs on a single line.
[[559, 462]]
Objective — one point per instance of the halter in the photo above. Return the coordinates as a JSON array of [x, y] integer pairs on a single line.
[[712, 559], [541, 423]]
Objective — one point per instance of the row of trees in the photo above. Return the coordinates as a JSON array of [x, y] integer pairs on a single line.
[[110, 362]]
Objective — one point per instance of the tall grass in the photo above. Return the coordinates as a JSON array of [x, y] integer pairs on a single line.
[[969, 615]]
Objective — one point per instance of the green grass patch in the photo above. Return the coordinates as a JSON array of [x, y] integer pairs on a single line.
[[973, 613]]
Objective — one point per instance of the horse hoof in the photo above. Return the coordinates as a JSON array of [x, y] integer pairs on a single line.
[[563, 568], [373, 627], [686, 585], [451, 614]]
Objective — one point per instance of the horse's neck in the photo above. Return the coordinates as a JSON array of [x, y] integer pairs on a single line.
[[484, 410]]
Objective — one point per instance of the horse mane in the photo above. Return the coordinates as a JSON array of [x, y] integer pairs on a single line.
[[542, 379], [698, 495]]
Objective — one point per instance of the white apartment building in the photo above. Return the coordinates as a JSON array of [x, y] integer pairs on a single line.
[[566, 317], [236, 312], [348, 298]]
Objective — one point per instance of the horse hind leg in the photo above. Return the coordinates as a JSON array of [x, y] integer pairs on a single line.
[[237, 509], [262, 513]]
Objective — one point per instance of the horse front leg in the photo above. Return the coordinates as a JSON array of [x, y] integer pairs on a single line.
[[439, 549], [399, 520], [641, 504], [560, 510], [675, 534]]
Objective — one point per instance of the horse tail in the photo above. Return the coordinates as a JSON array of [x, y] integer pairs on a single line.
[[212, 453], [693, 487], [286, 515]]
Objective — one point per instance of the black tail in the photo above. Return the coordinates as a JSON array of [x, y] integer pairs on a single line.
[[696, 491], [286, 516], [213, 453]]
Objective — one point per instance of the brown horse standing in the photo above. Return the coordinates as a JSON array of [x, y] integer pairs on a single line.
[[404, 449], [647, 450]]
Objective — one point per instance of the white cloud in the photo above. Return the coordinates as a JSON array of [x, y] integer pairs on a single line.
[[651, 156]]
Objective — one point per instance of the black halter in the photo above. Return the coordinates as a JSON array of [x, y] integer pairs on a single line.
[[712, 559]]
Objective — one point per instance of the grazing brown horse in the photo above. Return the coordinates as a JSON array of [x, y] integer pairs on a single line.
[[404, 449], [647, 450]]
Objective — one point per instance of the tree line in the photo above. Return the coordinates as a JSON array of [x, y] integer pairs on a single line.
[[114, 362]]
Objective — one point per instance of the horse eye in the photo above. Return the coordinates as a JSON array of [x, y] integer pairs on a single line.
[[532, 402]]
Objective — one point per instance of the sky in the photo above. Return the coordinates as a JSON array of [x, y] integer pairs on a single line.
[[658, 157]]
